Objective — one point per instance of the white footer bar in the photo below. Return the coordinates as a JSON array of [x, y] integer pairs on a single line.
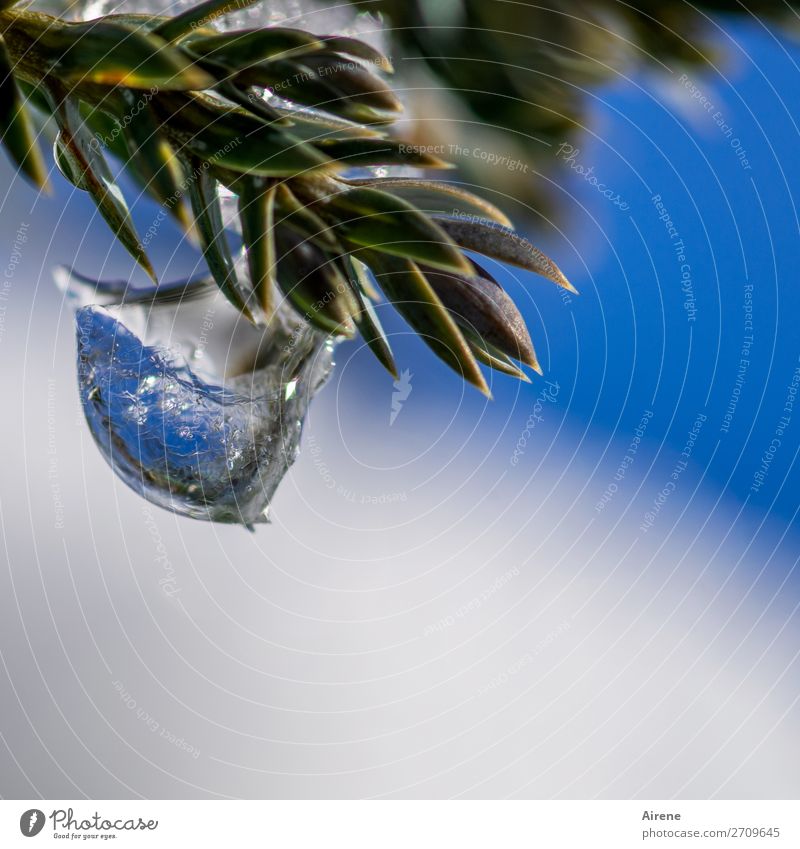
[[403, 824]]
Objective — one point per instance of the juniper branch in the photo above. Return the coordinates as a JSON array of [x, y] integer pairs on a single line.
[[281, 117]]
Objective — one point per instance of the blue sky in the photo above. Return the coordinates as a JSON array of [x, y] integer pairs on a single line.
[[661, 321]]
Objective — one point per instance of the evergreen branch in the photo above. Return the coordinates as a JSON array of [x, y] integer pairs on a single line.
[[277, 116]]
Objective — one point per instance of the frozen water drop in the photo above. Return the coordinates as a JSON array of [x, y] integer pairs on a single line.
[[208, 445]]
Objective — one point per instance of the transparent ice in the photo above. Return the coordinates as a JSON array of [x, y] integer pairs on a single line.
[[194, 408]]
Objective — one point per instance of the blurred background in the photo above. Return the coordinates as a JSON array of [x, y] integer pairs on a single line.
[[586, 587]]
